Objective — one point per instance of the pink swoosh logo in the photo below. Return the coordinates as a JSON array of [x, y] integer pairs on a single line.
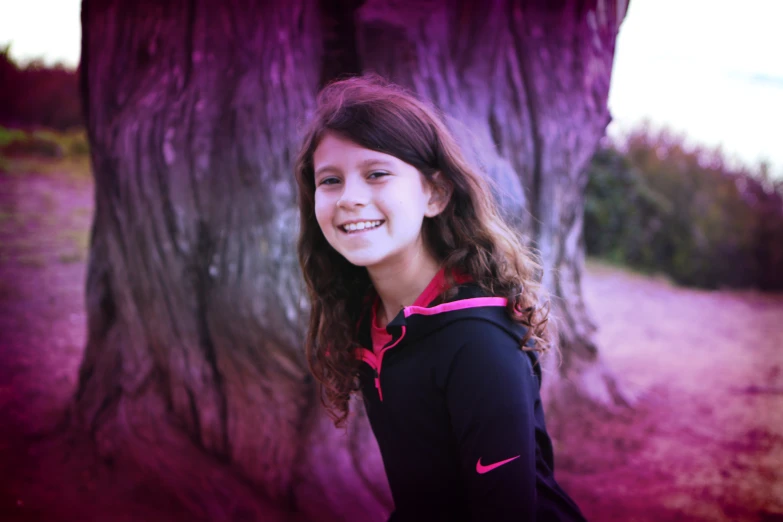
[[484, 469]]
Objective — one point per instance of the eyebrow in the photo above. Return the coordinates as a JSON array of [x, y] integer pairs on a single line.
[[364, 164]]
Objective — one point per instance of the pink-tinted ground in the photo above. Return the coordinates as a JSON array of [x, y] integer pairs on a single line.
[[705, 442]]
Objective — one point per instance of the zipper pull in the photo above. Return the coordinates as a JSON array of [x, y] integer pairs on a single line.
[[378, 385]]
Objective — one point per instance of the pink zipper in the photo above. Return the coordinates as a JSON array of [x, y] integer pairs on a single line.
[[375, 361], [380, 362]]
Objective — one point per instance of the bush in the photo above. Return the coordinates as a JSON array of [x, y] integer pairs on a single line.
[[657, 206], [78, 144], [43, 143], [36, 95], [622, 213], [32, 146], [9, 135]]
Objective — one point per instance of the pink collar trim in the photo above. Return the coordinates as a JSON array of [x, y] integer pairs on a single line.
[[456, 305], [435, 287]]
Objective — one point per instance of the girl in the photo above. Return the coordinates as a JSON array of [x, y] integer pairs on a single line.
[[425, 301]]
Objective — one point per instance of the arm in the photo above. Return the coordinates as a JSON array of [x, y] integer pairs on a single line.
[[491, 392]]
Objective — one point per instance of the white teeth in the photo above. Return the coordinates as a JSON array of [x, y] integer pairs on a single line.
[[352, 227]]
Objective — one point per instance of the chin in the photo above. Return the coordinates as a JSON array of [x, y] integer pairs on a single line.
[[365, 257], [363, 261]]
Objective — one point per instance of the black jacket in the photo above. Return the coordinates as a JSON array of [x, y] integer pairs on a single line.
[[454, 405]]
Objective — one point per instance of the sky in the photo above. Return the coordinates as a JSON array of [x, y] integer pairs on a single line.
[[710, 70]]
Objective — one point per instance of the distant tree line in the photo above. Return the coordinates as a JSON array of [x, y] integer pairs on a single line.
[[659, 206], [36, 95]]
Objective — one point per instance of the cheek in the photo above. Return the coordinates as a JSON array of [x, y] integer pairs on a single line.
[[323, 211]]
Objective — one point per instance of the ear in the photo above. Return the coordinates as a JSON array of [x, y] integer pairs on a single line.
[[441, 190]]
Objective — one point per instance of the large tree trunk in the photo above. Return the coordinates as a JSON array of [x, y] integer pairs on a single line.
[[193, 368], [193, 372]]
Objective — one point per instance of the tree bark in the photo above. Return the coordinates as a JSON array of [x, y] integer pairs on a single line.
[[193, 372], [193, 369]]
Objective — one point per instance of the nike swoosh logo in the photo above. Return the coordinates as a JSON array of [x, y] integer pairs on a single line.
[[484, 469]]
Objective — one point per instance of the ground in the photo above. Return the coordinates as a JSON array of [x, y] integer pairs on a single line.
[[704, 443]]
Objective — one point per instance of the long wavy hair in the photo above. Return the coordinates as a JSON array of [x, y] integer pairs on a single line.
[[469, 236]]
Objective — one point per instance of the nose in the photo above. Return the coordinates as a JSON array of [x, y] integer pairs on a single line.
[[355, 194]]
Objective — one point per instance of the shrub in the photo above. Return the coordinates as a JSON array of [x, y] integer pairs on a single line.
[[36, 95], [31, 145], [656, 205]]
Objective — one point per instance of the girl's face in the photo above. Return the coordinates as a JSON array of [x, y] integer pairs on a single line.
[[370, 205]]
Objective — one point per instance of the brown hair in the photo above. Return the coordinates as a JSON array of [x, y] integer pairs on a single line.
[[469, 235]]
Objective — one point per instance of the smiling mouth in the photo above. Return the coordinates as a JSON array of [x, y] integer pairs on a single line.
[[364, 226]]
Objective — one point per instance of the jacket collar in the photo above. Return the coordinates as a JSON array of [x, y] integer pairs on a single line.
[[420, 319], [414, 322]]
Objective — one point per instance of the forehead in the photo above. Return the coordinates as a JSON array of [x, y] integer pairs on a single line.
[[338, 152]]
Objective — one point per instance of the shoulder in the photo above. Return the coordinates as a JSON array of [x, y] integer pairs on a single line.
[[491, 324], [479, 337], [487, 349]]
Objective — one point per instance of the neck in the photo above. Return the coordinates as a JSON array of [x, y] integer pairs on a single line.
[[399, 286]]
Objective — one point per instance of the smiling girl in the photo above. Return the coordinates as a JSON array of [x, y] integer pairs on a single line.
[[426, 303]]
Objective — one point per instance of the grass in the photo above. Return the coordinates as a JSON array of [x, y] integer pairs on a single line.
[[45, 152], [71, 142], [69, 258], [31, 260], [82, 212], [21, 245], [45, 141], [23, 154], [74, 167], [27, 251], [78, 239], [8, 136]]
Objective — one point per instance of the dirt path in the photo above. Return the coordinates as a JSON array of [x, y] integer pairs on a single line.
[[44, 229], [705, 443], [707, 440]]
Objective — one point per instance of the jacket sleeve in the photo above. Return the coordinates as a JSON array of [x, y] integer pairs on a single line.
[[491, 392]]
